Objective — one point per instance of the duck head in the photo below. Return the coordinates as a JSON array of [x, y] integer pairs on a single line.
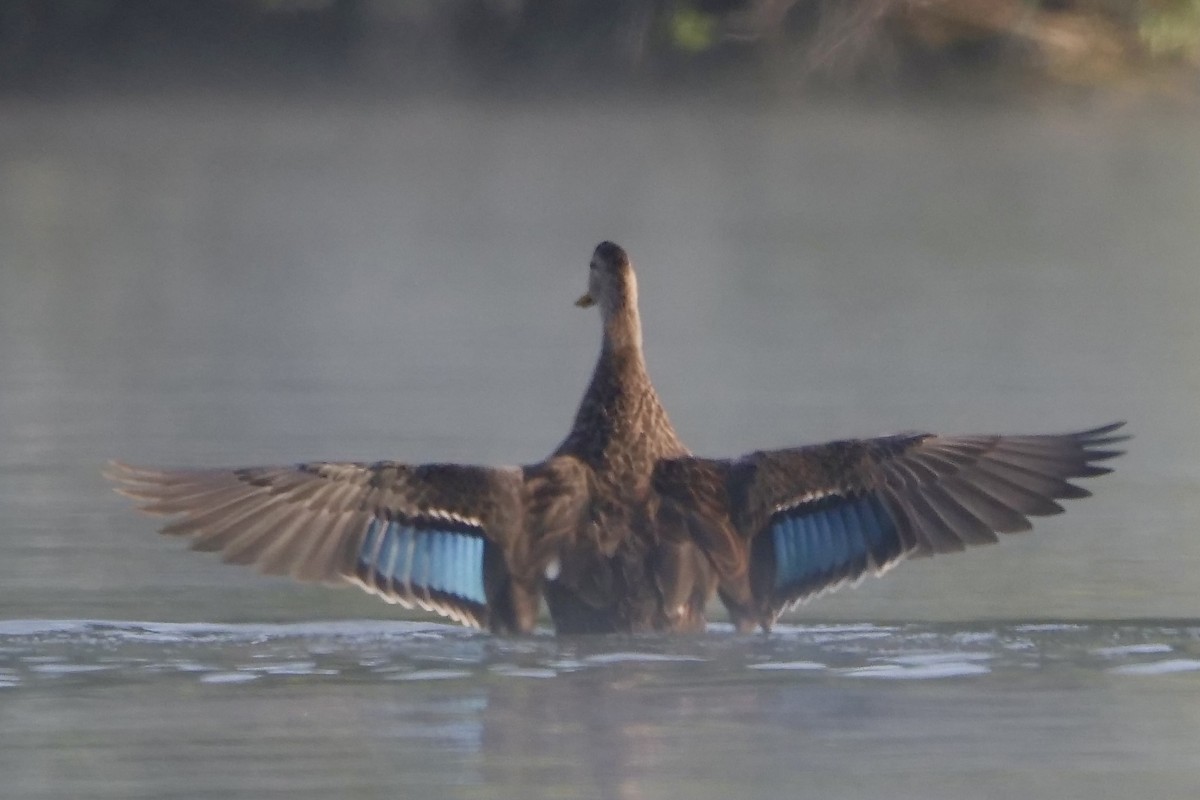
[[611, 282], [613, 288]]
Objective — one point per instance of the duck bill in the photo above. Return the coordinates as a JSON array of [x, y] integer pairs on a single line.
[[586, 301]]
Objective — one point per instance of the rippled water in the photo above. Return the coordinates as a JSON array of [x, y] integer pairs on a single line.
[[135, 709], [36, 654]]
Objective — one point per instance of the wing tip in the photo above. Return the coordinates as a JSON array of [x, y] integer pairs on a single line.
[[134, 483], [1100, 436], [118, 471], [1102, 430], [122, 472]]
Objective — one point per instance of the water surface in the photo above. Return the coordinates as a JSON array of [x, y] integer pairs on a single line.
[[107, 709]]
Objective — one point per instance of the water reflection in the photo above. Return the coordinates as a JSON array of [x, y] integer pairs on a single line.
[[371, 705]]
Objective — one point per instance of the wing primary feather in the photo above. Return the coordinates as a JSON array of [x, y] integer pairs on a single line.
[[995, 515], [1056, 485], [335, 554], [879, 550], [903, 515], [291, 541], [935, 532], [962, 521], [940, 535], [1073, 465], [1011, 494], [226, 514], [254, 534], [164, 501]]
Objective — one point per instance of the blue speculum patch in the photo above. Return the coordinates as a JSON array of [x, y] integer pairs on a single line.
[[826, 535], [414, 559]]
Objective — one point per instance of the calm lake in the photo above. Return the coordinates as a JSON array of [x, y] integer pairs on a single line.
[[234, 282]]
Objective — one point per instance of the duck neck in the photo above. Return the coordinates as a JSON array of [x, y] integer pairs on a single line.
[[619, 385], [623, 333], [620, 416]]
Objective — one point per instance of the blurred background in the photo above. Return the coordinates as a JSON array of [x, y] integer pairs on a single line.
[[248, 232], [240, 232], [429, 46]]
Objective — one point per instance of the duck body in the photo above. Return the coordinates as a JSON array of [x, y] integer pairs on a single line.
[[621, 528], [612, 568]]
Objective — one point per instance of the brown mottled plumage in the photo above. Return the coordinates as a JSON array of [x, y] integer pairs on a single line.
[[621, 528]]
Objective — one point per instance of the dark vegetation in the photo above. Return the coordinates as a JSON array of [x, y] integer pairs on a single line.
[[57, 45]]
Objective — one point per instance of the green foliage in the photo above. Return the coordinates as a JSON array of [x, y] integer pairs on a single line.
[[692, 31], [1173, 30]]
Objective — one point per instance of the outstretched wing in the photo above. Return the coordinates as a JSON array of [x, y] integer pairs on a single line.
[[437, 536], [789, 524]]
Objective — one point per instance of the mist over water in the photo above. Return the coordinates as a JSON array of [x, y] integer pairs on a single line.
[[205, 280]]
